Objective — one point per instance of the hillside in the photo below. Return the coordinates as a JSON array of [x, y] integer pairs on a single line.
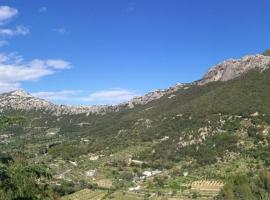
[[187, 141]]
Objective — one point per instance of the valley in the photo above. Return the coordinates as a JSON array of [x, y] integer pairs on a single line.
[[208, 139]]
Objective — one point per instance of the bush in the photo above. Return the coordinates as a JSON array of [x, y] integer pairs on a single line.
[[21, 180], [242, 187]]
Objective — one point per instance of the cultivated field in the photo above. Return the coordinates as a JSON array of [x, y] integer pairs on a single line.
[[86, 195]]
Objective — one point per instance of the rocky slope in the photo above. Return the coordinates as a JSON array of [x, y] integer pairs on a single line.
[[21, 100], [224, 71], [233, 68], [227, 70], [154, 95]]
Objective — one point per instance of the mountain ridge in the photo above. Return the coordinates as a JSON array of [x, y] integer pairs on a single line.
[[224, 71]]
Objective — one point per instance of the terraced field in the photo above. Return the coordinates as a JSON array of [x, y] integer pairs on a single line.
[[119, 195], [125, 196], [86, 195]]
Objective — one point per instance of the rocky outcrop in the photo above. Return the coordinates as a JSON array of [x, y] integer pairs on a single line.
[[21, 100], [224, 71], [233, 68], [151, 96]]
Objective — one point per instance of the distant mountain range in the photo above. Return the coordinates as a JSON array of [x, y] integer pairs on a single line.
[[227, 70]]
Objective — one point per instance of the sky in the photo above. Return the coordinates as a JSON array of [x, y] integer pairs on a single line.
[[108, 51]]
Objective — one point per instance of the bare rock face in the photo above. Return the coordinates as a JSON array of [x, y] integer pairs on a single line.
[[21, 100], [231, 69]]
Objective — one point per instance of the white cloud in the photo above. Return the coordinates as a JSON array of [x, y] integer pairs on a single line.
[[58, 64], [43, 9], [19, 30], [109, 97], [7, 87], [7, 13], [61, 30], [113, 96], [54, 64], [65, 95], [14, 71], [10, 58]]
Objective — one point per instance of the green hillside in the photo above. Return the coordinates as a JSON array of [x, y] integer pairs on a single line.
[[201, 135]]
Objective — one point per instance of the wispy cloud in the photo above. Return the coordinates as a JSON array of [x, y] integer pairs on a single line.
[[113, 96], [43, 9], [61, 30], [7, 13], [14, 71], [19, 30], [58, 64], [110, 97], [65, 95]]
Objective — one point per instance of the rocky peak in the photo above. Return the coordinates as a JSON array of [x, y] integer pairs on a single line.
[[233, 68], [224, 71], [21, 100], [20, 93]]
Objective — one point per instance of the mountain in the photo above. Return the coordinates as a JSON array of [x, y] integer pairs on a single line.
[[206, 139], [233, 68], [21, 100], [227, 70]]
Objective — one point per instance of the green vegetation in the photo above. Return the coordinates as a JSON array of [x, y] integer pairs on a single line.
[[20, 180], [8, 121], [250, 187], [218, 132]]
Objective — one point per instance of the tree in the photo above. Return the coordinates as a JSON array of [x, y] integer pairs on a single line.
[[24, 181]]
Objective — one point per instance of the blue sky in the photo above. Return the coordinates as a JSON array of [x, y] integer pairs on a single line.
[[107, 51]]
